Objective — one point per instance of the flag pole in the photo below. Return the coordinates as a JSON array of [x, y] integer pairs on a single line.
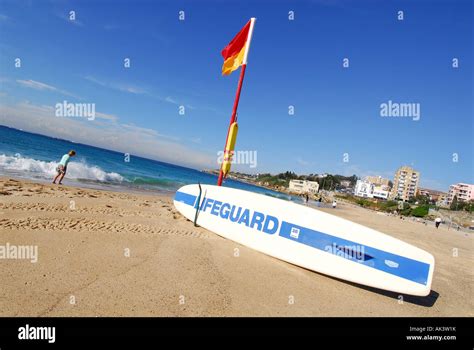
[[237, 95]]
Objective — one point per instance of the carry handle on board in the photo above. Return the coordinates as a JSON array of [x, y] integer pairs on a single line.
[[198, 205]]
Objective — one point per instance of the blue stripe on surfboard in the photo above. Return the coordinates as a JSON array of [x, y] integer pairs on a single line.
[[185, 198], [410, 269], [403, 267]]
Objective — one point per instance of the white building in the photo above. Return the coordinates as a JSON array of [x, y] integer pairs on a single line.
[[381, 192], [304, 186], [366, 189], [363, 189]]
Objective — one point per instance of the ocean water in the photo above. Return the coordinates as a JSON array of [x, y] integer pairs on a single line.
[[33, 156]]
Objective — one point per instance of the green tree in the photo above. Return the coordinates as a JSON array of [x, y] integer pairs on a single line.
[[353, 180], [454, 203], [288, 175], [406, 211], [420, 211], [421, 199], [469, 206]]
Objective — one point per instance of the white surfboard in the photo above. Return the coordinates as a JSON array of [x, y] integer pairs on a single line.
[[309, 238]]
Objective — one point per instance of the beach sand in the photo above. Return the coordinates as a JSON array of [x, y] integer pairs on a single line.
[[103, 253]]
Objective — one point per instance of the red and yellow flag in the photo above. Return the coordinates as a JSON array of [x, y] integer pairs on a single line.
[[234, 52]]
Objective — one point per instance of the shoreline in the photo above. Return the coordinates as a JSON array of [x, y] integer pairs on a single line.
[[92, 185], [128, 254], [233, 177]]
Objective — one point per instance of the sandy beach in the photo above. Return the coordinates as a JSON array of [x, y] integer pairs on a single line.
[[103, 253]]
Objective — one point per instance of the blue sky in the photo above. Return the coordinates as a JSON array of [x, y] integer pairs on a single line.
[[299, 63]]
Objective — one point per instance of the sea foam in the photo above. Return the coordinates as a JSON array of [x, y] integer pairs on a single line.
[[75, 170]]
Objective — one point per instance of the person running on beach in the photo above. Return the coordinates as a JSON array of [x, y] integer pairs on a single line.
[[334, 204], [62, 167], [437, 222]]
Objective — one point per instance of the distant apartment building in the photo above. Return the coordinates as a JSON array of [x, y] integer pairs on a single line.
[[378, 180], [363, 189], [442, 200], [463, 192], [367, 189], [304, 186], [405, 183]]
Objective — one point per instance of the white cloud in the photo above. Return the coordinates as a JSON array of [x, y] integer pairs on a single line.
[[137, 129], [132, 89], [171, 100], [107, 134], [135, 90], [95, 80], [37, 85], [120, 87], [106, 116], [302, 162]]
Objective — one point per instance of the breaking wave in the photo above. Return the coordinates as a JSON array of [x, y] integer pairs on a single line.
[[39, 168]]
